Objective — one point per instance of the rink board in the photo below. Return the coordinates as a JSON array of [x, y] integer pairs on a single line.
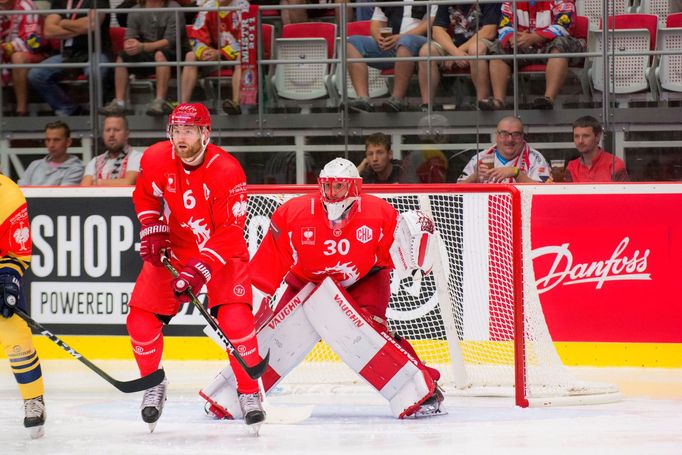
[[654, 355]]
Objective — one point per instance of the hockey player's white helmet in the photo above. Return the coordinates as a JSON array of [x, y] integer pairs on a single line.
[[340, 185]]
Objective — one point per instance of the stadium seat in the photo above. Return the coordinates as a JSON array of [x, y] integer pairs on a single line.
[[300, 42], [660, 8], [669, 68], [377, 84], [627, 74], [593, 9]]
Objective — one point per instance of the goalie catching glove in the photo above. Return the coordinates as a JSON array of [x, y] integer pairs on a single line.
[[413, 243]]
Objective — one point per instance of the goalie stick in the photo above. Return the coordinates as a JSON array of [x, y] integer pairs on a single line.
[[255, 371], [136, 385]]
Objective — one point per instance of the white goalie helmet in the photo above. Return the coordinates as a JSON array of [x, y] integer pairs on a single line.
[[340, 185]]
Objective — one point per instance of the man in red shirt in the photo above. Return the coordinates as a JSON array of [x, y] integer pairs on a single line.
[[594, 164], [345, 235], [191, 201]]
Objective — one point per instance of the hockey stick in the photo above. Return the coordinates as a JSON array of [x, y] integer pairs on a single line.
[[136, 385], [255, 371]]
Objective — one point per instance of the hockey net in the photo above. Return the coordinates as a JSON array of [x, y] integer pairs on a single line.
[[477, 317]]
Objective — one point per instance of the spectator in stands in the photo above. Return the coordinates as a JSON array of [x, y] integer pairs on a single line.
[[21, 42], [74, 30], [119, 164], [459, 30], [594, 163], [215, 36], [379, 165], [58, 168], [542, 28], [509, 160], [408, 26], [150, 37]]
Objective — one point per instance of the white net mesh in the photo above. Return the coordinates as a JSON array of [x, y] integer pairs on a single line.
[[469, 298]]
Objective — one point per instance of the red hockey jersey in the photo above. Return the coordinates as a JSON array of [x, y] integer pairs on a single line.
[[301, 240], [205, 207]]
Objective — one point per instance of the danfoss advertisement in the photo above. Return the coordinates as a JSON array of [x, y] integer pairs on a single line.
[[607, 266]]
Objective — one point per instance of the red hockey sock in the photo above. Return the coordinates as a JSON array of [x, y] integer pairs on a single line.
[[146, 338], [236, 320]]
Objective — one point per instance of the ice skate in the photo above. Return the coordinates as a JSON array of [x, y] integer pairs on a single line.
[[433, 405], [152, 404], [252, 410], [34, 416]]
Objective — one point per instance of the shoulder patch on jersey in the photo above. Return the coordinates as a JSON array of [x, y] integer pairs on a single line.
[[239, 208], [363, 234], [308, 236]]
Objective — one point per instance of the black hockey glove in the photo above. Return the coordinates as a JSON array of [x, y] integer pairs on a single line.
[[10, 289]]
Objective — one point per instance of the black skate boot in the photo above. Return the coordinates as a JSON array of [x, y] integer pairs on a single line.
[[34, 416], [152, 404], [252, 410]]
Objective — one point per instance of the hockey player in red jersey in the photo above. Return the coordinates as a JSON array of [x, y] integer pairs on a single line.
[[333, 251], [190, 199]]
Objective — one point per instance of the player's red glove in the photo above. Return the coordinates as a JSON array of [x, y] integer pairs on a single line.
[[154, 238], [193, 276]]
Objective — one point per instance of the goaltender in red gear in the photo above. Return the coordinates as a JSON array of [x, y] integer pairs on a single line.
[[335, 251], [191, 201]]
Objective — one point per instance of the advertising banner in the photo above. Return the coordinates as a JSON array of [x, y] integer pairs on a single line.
[[607, 265]]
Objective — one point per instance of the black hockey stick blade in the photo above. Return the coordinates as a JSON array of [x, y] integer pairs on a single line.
[[136, 385], [255, 371]]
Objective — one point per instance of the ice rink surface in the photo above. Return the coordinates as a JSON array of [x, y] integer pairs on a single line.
[[85, 415]]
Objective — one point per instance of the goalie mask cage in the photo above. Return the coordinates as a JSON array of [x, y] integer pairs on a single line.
[[477, 317]]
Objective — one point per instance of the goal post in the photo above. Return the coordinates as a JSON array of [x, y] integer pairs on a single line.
[[477, 317]]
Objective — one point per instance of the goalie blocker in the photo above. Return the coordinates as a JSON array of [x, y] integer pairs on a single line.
[[363, 344]]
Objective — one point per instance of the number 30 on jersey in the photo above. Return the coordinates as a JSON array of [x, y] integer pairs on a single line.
[[333, 247]]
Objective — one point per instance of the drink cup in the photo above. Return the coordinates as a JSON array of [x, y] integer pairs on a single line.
[[558, 170], [488, 162], [386, 32]]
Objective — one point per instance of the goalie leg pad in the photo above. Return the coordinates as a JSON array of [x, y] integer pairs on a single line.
[[288, 335], [221, 395], [368, 349]]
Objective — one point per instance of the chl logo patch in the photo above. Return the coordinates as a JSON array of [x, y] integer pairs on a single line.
[[363, 234], [308, 236]]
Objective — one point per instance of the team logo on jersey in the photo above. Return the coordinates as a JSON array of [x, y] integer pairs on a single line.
[[171, 184], [363, 234], [200, 229], [20, 236], [337, 232], [308, 236], [239, 208]]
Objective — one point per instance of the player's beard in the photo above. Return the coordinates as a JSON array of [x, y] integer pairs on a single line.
[[190, 154]]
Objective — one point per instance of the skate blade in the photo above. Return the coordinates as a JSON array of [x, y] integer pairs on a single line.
[[36, 432], [439, 412], [255, 428], [152, 425]]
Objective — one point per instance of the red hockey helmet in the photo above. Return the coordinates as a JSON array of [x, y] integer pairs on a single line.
[[190, 114]]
